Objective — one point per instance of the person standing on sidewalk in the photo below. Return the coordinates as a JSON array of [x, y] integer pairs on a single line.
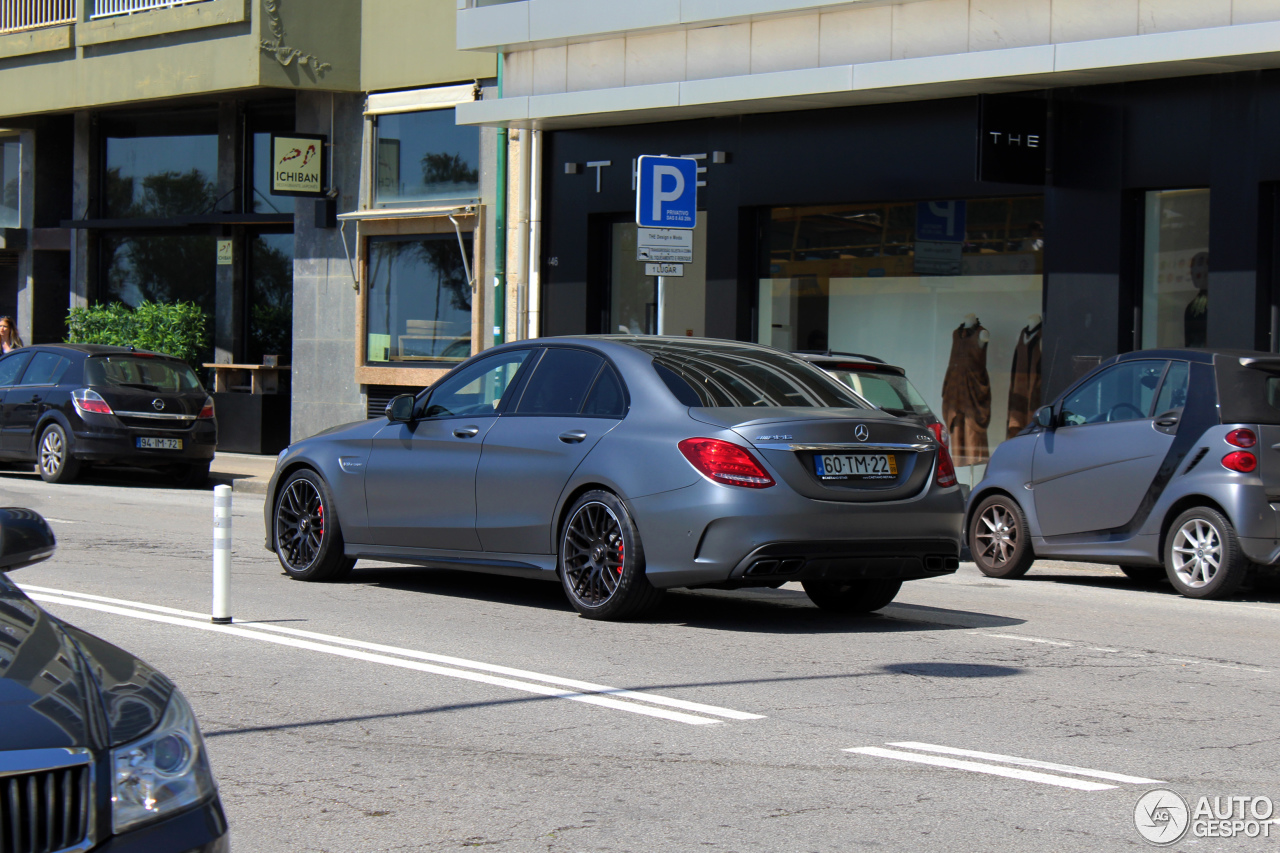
[[9, 340]]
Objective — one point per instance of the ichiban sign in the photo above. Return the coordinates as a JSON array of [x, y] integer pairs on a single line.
[[297, 164]]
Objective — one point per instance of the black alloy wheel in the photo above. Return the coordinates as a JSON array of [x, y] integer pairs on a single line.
[[308, 538], [861, 596], [53, 456], [998, 538], [602, 560]]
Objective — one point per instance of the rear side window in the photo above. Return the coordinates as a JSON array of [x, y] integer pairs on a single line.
[[46, 369], [606, 399], [725, 376], [147, 374], [11, 367], [560, 383]]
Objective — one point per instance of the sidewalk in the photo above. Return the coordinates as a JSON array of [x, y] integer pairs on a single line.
[[243, 472]]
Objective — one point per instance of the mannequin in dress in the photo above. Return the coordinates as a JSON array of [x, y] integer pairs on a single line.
[[966, 393], [1025, 377]]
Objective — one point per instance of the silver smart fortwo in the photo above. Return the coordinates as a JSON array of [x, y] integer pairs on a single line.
[[1165, 462], [626, 466]]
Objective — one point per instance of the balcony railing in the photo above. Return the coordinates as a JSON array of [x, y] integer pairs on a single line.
[[18, 15], [108, 8]]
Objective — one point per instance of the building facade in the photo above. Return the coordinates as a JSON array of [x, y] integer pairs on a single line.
[[143, 146], [994, 194]]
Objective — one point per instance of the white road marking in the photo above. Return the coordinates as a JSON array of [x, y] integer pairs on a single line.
[[1028, 639], [596, 694], [60, 520], [976, 767], [1030, 762]]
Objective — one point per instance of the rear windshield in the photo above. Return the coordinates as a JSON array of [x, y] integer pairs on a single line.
[[147, 374], [893, 393], [724, 375]]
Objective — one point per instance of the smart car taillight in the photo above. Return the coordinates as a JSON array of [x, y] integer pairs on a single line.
[[946, 468], [725, 463], [1240, 461], [207, 410], [88, 400], [1241, 438]]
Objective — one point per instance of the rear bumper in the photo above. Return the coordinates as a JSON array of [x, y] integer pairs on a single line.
[[119, 446], [708, 534]]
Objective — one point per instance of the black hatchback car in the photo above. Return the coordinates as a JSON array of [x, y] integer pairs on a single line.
[[64, 405], [98, 750]]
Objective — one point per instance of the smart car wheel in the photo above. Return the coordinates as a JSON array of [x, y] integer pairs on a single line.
[[998, 538], [852, 596], [602, 560], [53, 456], [308, 537], [1202, 555]]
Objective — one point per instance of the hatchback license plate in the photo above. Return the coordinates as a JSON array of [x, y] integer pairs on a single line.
[[880, 466], [160, 443]]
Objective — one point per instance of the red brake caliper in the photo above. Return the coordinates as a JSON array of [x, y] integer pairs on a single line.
[[320, 515], [622, 555]]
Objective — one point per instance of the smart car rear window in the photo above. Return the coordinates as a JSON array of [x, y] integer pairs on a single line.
[[738, 376], [146, 374]]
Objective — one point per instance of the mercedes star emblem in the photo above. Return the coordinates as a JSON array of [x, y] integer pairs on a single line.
[[157, 404], [861, 432]]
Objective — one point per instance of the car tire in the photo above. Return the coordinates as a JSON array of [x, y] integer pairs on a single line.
[[861, 596], [1143, 574], [53, 456], [1202, 555], [303, 504], [601, 560], [193, 476], [999, 539]]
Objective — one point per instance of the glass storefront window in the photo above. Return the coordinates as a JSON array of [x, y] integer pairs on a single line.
[[425, 156], [270, 298], [419, 300], [950, 290], [161, 268], [1175, 269], [154, 177], [10, 183], [264, 200]]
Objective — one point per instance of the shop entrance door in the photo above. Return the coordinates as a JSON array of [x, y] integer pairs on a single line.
[[641, 304]]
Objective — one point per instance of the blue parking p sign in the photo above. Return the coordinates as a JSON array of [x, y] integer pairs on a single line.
[[667, 192]]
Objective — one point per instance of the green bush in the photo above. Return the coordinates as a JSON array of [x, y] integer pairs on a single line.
[[180, 329]]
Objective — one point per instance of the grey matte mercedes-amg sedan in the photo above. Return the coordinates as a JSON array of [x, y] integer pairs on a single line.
[[626, 466]]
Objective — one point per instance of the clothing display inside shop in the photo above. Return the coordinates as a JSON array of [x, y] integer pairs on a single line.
[[966, 393], [1024, 379]]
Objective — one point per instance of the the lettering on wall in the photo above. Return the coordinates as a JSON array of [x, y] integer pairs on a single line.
[[297, 164], [1012, 139]]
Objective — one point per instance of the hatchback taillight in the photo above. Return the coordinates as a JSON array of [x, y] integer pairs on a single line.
[[725, 463], [940, 433], [1241, 438], [1245, 463], [946, 468], [88, 400], [207, 410]]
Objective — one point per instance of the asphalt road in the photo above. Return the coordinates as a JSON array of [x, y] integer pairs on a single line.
[[415, 709]]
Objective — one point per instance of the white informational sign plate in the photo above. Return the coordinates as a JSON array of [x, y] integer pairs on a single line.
[[667, 270], [664, 244], [670, 256]]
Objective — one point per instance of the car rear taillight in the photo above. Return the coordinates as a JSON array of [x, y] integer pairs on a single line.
[[207, 410], [940, 433], [1240, 461], [725, 463], [946, 468], [88, 400], [1241, 438]]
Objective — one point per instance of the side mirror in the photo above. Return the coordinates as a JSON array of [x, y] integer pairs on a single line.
[[25, 538], [1044, 417], [400, 409]]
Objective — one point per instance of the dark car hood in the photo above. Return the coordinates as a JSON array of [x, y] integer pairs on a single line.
[[62, 687]]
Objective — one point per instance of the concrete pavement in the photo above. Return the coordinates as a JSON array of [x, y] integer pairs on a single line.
[[243, 472]]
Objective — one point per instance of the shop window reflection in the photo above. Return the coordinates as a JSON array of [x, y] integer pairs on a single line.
[[419, 300], [10, 184], [154, 177], [1175, 274], [270, 302], [425, 156], [950, 290]]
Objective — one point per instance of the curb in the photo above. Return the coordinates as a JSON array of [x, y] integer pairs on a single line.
[[243, 485]]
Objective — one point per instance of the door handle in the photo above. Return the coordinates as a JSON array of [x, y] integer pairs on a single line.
[[466, 432], [1172, 420], [573, 436]]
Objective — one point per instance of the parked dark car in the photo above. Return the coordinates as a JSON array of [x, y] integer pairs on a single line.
[[98, 751], [1165, 462], [881, 384], [626, 466], [65, 405]]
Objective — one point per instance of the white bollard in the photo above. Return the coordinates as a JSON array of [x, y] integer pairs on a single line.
[[221, 555]]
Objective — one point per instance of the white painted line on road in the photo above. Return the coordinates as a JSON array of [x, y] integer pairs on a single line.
[[1030, 762], [1028, 639], [588, 690], [989, 769]]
